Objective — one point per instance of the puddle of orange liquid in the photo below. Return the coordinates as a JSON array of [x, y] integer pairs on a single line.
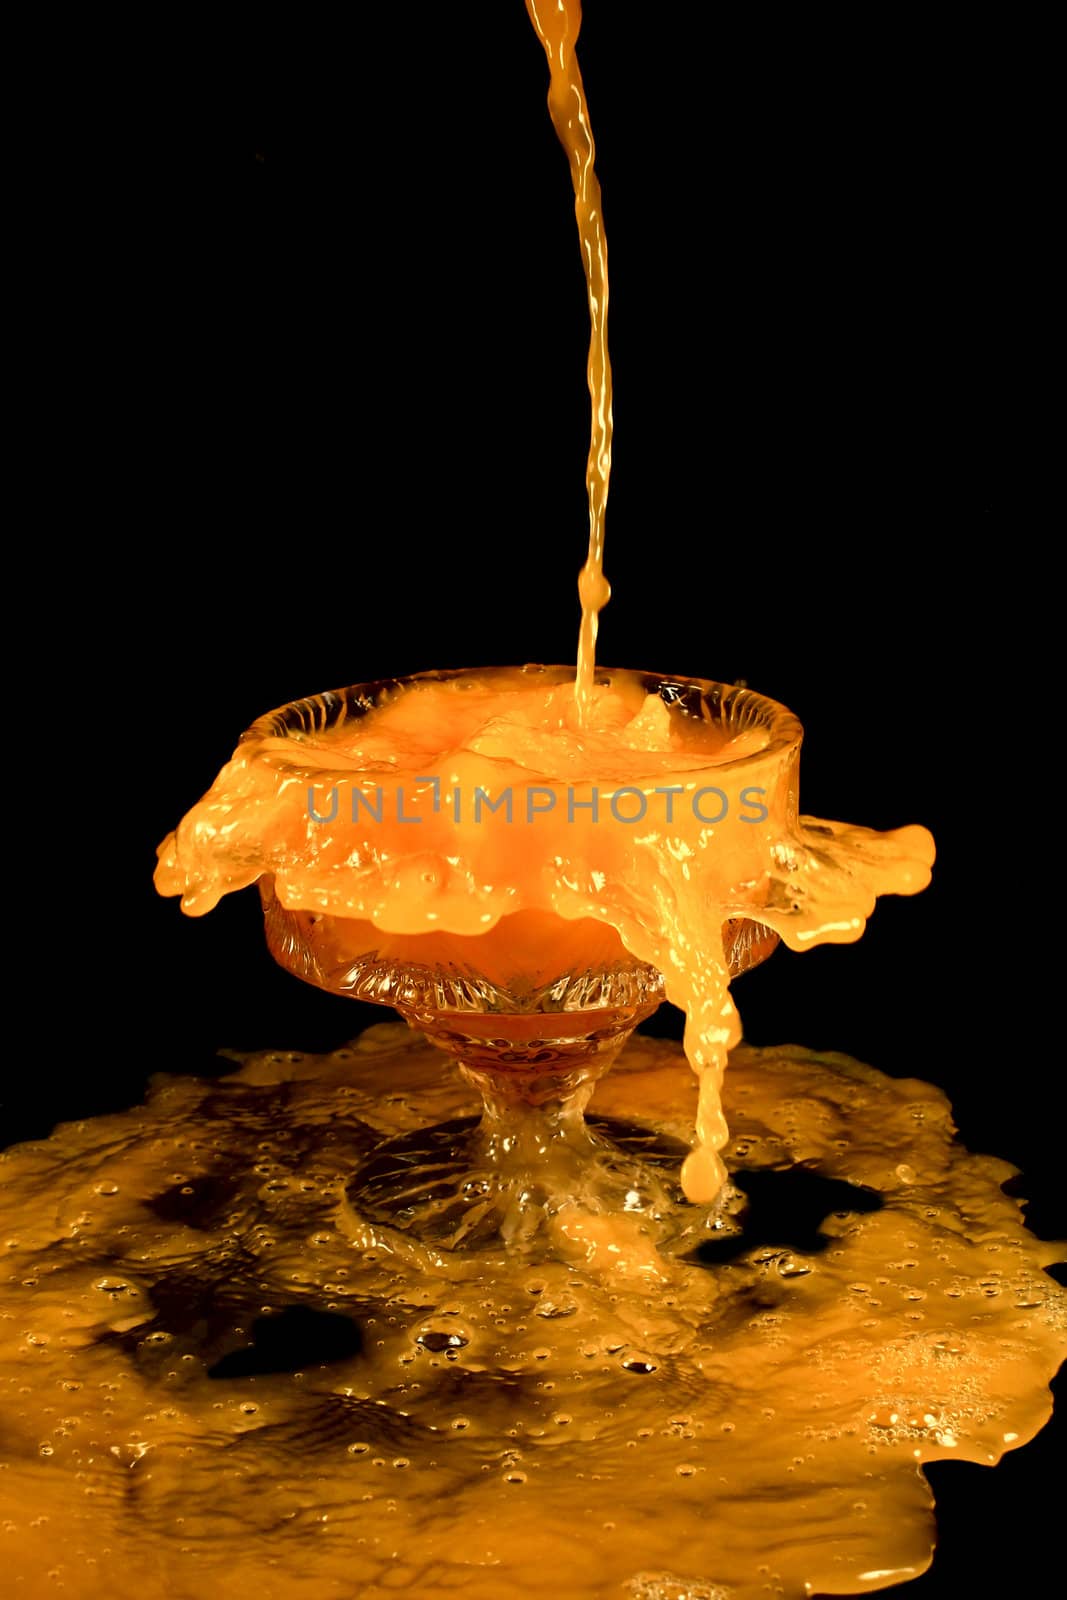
[[751, 1429], [469, 1422]]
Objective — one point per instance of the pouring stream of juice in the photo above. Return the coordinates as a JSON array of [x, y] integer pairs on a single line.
[[557, 23], [721, 1434]]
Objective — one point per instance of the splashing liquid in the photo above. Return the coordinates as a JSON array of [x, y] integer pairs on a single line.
[[216, 1376], [670, 811], [557, 23], [217, 1372]]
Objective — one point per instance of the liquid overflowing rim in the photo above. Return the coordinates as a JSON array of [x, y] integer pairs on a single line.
[[731, 707]]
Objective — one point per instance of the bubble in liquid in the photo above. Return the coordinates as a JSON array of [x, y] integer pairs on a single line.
[[645, 1397]]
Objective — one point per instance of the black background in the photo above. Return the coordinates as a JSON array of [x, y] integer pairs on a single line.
[[357, 423]]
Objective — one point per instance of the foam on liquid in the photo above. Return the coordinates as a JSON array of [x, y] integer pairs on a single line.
[[492, 1424], [664, 885], [488, 1422]]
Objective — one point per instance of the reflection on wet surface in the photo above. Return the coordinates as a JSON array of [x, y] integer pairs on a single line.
[[215, 1371]]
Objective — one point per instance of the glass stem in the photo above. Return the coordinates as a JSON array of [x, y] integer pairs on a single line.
[[531, 1122]]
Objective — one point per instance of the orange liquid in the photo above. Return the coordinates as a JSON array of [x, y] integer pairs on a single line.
[[663, 886], [495, 1427], [731, 1431], [557, 23]]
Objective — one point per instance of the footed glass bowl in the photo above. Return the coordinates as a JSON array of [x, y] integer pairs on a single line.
[[534, 1011]]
